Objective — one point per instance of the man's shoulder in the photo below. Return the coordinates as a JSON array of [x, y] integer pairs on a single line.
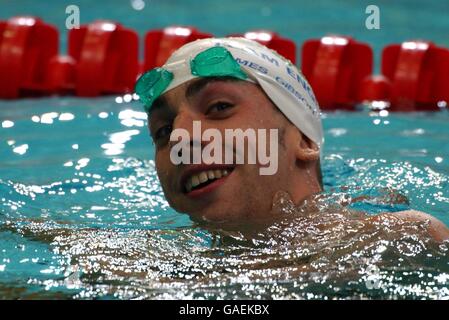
[[437, 229]]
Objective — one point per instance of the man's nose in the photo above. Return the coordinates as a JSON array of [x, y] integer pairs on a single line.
[[194, 126], [184, 121]]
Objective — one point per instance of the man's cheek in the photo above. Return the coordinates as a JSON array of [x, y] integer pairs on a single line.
[[162, 168], [164, 181]]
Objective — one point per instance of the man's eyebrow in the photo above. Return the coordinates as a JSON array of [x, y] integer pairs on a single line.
[[195, 87]]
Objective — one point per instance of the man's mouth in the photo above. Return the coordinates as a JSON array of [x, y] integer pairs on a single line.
[[202, 179]]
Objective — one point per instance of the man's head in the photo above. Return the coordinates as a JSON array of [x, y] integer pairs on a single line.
[[230, 84]]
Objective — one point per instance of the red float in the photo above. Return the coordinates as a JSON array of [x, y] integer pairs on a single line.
[[335, 67], [160, 44], [27, 44], [375, 88], [61, 74], [272, 40], [419, 73], [106, 58]]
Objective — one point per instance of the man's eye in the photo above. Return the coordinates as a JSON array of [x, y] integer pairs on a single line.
[[163, 132], [219, 106]]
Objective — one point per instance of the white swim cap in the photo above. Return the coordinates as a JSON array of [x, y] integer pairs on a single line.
[[278, 77]]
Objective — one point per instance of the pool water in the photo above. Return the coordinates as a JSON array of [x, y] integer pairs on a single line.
[[82, 214]]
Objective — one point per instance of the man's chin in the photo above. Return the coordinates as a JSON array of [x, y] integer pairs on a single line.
[[220, 215], [235, 221], [214, 217]]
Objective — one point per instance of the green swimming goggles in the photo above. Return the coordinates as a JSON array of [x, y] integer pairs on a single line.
[[213, 62]]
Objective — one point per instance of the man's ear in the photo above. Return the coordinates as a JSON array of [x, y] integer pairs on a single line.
[[306, 149]]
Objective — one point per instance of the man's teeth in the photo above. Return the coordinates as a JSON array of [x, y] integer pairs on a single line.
[[204, 176]]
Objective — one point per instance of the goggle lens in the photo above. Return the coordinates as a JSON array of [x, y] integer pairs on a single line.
[[213, 62]]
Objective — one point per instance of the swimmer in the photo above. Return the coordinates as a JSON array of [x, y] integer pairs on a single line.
[[235, 83]]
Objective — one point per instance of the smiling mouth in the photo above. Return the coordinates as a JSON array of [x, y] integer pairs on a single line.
[[204, 178]]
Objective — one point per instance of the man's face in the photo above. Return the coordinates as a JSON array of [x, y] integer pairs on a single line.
[[235, 191]]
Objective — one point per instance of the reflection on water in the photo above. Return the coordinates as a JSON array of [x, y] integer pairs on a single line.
[[121, 248], [323, 253], [82, 214]]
